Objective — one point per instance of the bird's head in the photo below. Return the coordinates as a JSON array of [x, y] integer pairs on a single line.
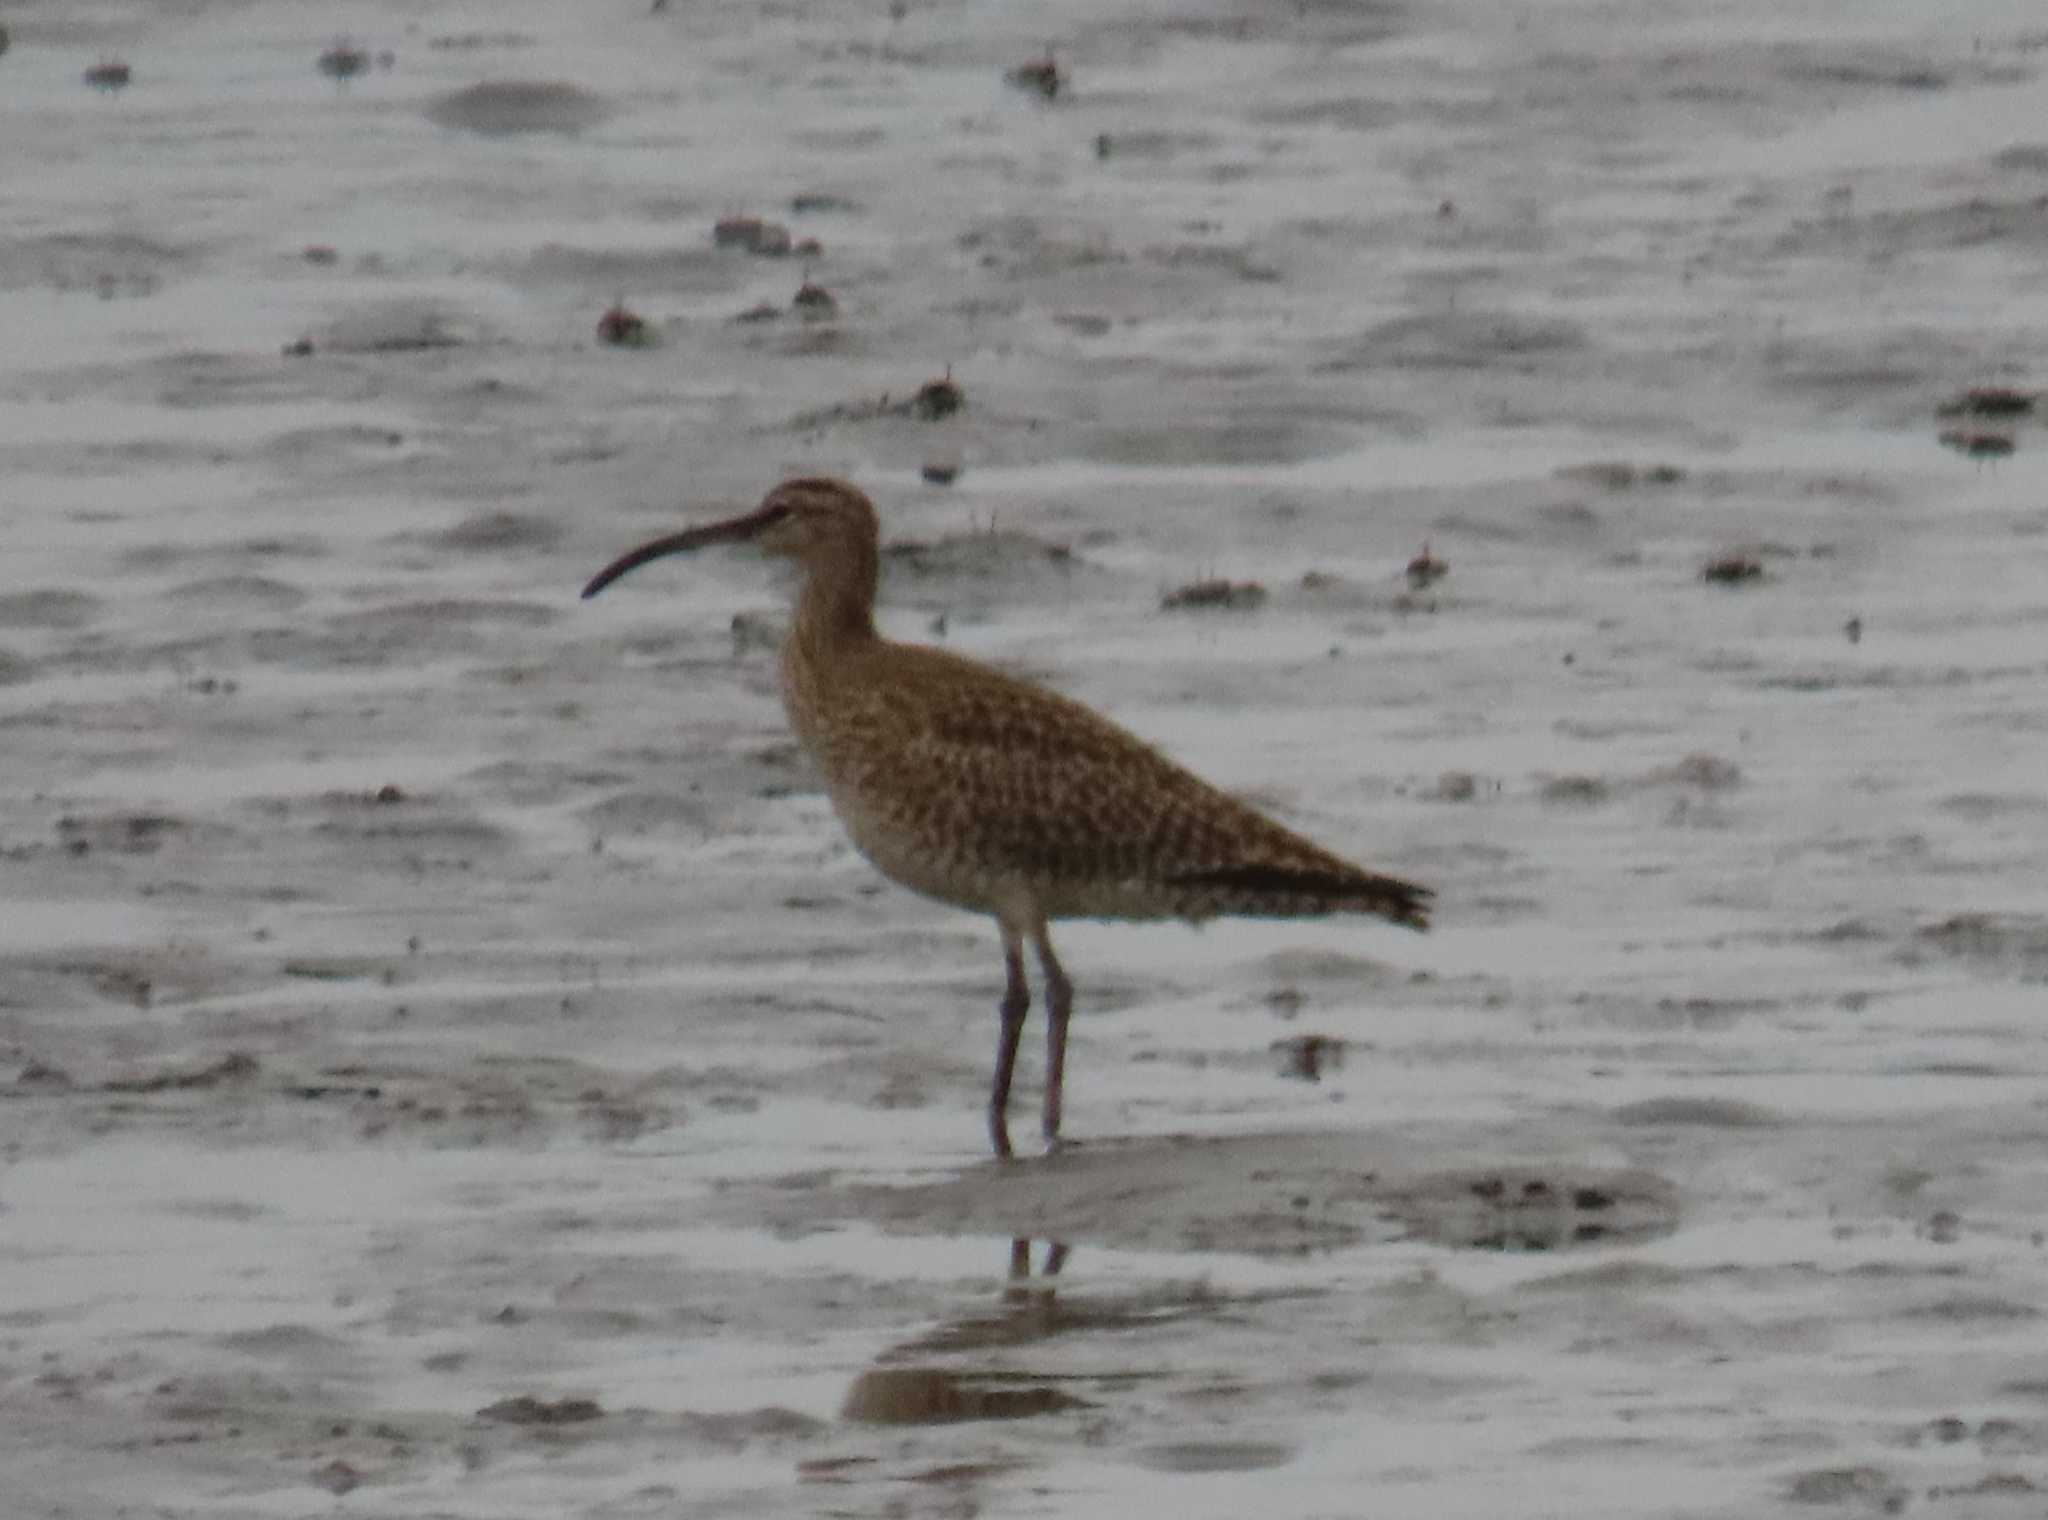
[[816, 521]]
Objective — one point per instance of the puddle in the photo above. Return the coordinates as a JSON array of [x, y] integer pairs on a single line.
[[1031, 1308], [1034, 1309], [1215, 1456], [952, 1474], [1529, 1209], [939, 1396]]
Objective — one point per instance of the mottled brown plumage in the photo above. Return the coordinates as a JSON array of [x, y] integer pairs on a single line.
[[993, 794]]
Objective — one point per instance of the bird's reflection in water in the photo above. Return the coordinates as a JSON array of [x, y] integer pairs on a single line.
[[1027, 1309], [1020, 1287], [933, 1395], [1030, 1308]]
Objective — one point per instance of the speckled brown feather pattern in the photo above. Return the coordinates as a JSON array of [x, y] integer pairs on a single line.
[[1009, 788], [993, 794]]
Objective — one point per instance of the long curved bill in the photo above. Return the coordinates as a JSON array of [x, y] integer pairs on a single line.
[[733, 530]]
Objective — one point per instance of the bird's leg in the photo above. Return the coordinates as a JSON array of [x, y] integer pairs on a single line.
[[1016, 1002], [1059, 1002]]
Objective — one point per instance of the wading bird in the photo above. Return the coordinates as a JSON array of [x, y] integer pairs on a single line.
[[990, 793]]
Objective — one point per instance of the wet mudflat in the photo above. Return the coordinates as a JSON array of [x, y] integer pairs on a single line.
[[450, 1061]]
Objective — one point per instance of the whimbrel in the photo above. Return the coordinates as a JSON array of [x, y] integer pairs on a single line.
[[990, 793]]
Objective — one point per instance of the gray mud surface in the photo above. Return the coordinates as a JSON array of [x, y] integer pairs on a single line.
[[451, 1062]]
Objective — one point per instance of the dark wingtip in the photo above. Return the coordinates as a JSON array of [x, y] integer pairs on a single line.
[[1401, 902]]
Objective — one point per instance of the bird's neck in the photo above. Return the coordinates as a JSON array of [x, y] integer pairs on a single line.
[[835, 622], [835, 611]]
